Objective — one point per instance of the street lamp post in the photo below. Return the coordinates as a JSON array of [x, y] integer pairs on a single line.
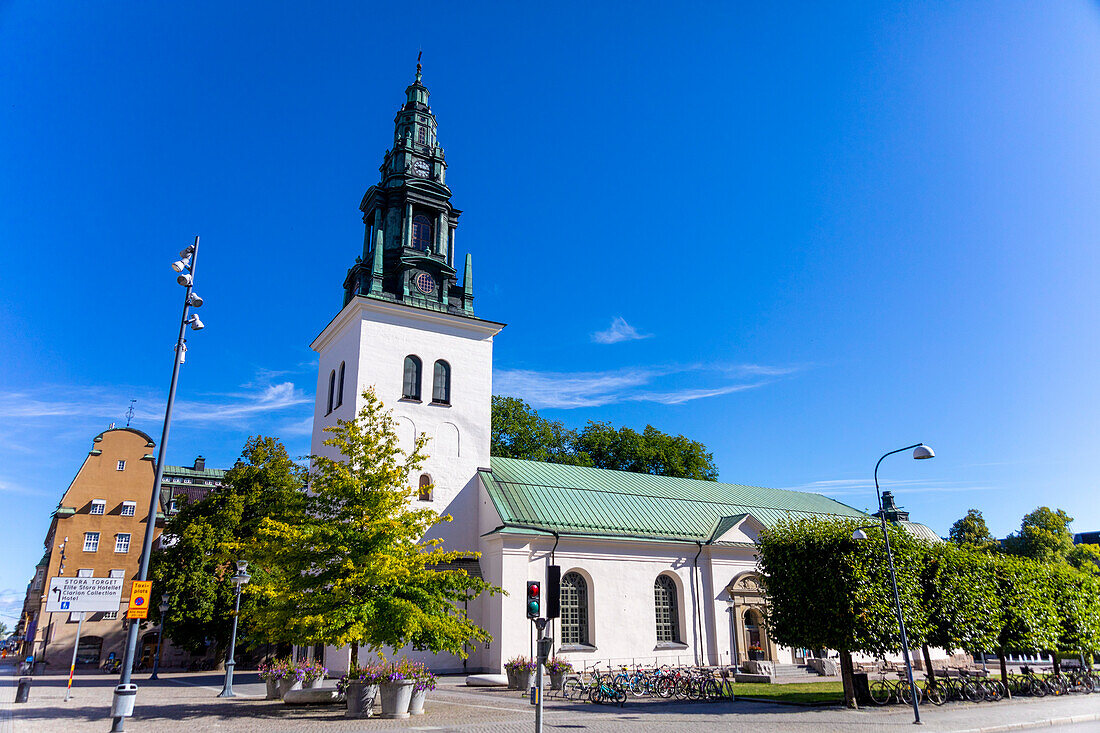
[[122, 705], [920, 451], [239, 580], [160, 636]]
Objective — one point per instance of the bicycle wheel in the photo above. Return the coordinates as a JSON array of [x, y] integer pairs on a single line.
[[881, 692], [1036, 687], [936, 693], [972, 691], [665, 687], [639, 686], [994, 690], [572, 689], [905, 692]]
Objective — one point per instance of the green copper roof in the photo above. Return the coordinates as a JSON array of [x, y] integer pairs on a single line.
[[597, 501], [171, 472]]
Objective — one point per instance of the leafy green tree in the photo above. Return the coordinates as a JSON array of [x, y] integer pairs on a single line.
[[203, 541], [650, 451], [1077, 596], [828, 591], [1044, 535], [972, 530], [354, 567], [1085, 558], [1031, 614], [519, 432]]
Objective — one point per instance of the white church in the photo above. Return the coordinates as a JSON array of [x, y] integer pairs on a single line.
[[654, 569]]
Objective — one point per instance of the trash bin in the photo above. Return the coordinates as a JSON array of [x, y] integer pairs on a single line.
[[122, 706], [23, 691]]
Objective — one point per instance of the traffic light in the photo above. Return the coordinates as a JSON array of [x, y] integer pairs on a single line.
[[534, 598], [553, 591]]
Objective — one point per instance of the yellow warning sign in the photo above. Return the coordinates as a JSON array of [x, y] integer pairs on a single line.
[[139, 599]]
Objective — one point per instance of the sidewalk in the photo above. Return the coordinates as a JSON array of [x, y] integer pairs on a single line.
[[188, 703]]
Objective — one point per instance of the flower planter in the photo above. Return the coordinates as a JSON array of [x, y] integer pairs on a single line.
[[523, 679], [556, 680], [273, 689], [416, 703], [396, 697], [756, 655], [360, 699], [309, 684], [286, 685], [513, 679]]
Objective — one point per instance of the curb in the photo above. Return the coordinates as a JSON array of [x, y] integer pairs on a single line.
[[1047, 723]]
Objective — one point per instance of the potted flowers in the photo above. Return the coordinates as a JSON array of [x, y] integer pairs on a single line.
[[424, 681], [309, 672], [360, 686], [558, 668], [273, 673], [396, 687], [519, 671], [756, 653]]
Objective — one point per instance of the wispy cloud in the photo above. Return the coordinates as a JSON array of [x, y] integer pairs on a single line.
[[619, 330], [661, 384], [8, 487], [864, 486], [11, 605]]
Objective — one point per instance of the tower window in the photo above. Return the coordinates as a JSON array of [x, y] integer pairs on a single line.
[[410, 388], [422, 136], [340, 386], [441, 383], [425, 487], [331, 389], [422, 233]]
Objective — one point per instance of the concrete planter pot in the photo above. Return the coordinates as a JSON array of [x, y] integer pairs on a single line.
[[416, 703], [513, 679], [310, 684], [360, 699], [396, 698], [288, 684], [523, 679], [556, 680], [272, 690]]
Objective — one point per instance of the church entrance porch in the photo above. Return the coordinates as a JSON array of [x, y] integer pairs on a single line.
[[751, 641]]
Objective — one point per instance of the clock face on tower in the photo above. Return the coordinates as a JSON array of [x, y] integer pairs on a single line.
[[425, 283], [421, 169]]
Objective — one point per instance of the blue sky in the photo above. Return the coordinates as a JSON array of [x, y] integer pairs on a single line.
[[803, 235]]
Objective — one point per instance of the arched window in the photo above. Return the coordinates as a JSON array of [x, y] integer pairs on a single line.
[[331, 389], [422, 233], [410, 388], [668, 618], [574, 609], [425, 487], [441, 383], [340, 386]]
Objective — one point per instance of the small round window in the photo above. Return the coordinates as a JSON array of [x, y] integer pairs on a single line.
[[425, 283]]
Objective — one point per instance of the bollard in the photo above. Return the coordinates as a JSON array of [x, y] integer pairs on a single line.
[[23, 691]]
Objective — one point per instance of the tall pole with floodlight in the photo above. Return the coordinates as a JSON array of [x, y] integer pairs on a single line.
[[122, 705]]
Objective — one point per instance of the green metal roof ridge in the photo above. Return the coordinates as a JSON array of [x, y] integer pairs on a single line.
[[188, 471]]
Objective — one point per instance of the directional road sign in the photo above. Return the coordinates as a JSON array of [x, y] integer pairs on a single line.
[[84, 594]]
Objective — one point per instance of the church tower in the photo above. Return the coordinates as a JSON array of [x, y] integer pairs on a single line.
[[407, 327]]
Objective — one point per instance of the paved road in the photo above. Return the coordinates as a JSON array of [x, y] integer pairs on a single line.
[[187, 703]]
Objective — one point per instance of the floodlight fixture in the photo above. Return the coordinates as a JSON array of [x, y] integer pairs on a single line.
[[182, 264], [194, 300], [184, 279], [195, 323]]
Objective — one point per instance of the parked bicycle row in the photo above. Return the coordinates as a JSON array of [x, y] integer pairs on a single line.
[[970, 686], [615, 686]]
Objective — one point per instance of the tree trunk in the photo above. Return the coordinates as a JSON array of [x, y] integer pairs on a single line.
[[1004, 672], [928, 665], [354, 658], [1054, 659], [846, 671]]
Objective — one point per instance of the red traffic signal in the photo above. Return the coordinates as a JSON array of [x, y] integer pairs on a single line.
[[533, 606]]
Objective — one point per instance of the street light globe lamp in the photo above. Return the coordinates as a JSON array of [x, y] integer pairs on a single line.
[[240, 579]]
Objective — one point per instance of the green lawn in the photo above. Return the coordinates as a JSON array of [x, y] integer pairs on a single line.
[[806, 692]]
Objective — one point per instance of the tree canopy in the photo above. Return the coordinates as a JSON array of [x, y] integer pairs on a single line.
[[353, 568], [201, 543], [519, 432], [972, 530], [1044, 535]]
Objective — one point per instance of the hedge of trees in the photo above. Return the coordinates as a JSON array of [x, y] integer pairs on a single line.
[[828, 591]]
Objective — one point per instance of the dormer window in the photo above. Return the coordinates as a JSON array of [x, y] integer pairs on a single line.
[[422, 233], [129, 508], [98, 506]]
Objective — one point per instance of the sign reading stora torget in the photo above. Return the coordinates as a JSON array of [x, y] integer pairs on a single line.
[[84, 594]]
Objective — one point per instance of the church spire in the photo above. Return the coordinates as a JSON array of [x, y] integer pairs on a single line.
[[409, 219]]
